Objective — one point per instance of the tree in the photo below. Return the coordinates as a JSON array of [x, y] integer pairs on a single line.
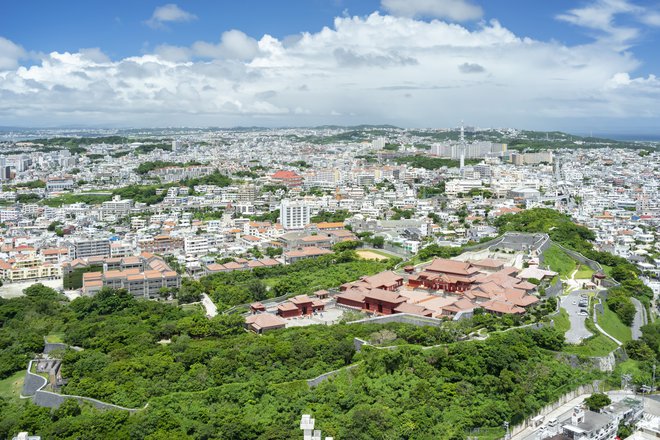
[[624, 430], [620, 303], [346, 245], [623, 273], [273, 252], [639, 351], [378, 242], [597, 401], [68, 408], [190, 291], [41, 291]]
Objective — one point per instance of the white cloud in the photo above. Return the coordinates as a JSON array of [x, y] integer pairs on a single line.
[[169, 13], [456, 10], [651, 18], [374, 69], [233, 44], [600, 16], [10, 53], [94, 54]]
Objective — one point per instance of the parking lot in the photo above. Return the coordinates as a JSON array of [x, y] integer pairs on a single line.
[[329, 316], [13, 290], [578, 330]]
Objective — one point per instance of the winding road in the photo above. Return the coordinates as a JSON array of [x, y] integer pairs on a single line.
[[211, 309], [640, 319]]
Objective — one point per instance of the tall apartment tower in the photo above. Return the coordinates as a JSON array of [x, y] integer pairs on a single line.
[[462, 164], [294, 214], [176, 145]]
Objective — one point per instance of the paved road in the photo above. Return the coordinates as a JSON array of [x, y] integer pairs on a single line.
[[578, 330], [211, 309], [564, 412], [640, 319]]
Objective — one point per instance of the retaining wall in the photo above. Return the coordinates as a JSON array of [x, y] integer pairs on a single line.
[[593, 265], [317, 380], [33, 387], [402, 318], [579, 391], [555, 289], [485, 245], [49, 347], [32, 382], [53, 400]]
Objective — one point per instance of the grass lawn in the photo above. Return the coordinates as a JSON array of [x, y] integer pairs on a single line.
[[584, 272], [611, 323], [55, 338], [559, 261], [628, 367], [601, 345], [10, 387], [192, 307], [68, 198], [562, 323], [607, 270]]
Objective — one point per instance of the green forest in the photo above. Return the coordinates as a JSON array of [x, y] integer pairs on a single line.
[[208, 379], [197, 378], [306, 276]]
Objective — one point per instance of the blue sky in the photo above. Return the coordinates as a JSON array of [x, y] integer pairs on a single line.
[[223, 61], [118, 27]]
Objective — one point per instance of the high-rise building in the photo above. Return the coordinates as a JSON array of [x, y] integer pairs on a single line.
[[176, 145], [91, 248], [294, 214], [247, 193], [378, 143]]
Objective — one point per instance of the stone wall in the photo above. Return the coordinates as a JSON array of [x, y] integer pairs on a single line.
[[53, 400], [32, 382], [555, 289], [594, 265], [317, 380], [402, 318], [358, 343], [484, 245], [49, 347], [33, 387]]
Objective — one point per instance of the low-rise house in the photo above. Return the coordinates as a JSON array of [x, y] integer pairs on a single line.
[[305, 253], [300, 305], [263, 322], [28, 267]]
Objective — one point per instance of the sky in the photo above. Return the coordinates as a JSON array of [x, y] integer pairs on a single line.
[[579, 66]]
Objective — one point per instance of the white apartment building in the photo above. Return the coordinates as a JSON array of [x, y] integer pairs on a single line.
[[453, 187], [59, 184], [196, 245], [91, 248], [117, 207], [294, 214]]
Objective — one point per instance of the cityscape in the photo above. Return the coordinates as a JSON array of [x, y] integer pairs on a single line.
[[208, 262]]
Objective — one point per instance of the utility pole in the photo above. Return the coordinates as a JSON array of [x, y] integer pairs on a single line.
[[653, 384], [507, 436], [625, 379]]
